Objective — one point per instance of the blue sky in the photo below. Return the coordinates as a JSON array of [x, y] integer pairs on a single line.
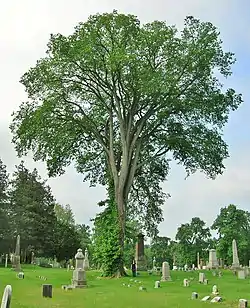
[[25, 27]]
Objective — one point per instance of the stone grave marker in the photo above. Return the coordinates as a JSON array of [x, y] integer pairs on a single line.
[[205, 282], [194, 295], [205, 299], [216, 299], [157, 284], [215, 290], [47, 290], [165, 272], [20, 275], [236, 262], [141, 288], [6, 299], [186, 282], [243, 303], [79, 274], [201, 277], [241, 274], [6, 260]]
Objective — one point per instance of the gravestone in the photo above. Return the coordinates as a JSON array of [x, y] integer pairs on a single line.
[[32, 257], [154, 264], [6, 260], [205, 281], [236, 262], [216, 299], [86, 260], [194, 295], [241, 274], [165, 272], [201, 277], [243, 303], [20, 275], [6, 299], [79, 274], [139, 254], [47, 290], [186, 282], [205, 298], [16, 258], [213, 261], [141, 288], [215, 290], [157, 284]]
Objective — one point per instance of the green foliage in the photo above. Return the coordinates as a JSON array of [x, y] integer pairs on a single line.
[[233, 223], [4, 225], [64, 214], [123, 96], [192, 238], [31, 211], [106, 243], [160, 249], [66, 241]]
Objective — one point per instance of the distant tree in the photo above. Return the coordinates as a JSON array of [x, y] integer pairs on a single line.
[[233, 223], [31, 211], [122, 96], [4, 219], [160, 249], [192, 238], [64, 214], [66, 241]]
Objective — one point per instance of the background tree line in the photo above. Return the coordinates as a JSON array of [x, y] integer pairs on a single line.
[[28, 208]]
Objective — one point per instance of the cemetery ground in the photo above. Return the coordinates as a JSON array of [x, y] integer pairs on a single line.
[[105, 292]]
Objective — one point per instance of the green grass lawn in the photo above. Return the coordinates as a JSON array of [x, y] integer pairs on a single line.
[[104, 293]]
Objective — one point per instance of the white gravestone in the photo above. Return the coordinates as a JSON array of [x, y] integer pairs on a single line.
[[6, 260], [215, 290], [6, 299], [216, 299], [157, 284], [186, 283], [165, 272], [201, 277], [242, 303]]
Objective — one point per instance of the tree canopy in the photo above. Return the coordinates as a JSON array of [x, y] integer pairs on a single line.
[[120, 97]]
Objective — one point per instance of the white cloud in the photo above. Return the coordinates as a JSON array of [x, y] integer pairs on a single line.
[[25, 27]]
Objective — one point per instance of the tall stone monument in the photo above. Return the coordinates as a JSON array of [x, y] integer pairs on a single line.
[[139, 254], [236, 262], [213, 261], [86, 260], [79, 274], [16, 259]]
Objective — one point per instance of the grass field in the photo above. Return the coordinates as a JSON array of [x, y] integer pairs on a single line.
[[104, 293]]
